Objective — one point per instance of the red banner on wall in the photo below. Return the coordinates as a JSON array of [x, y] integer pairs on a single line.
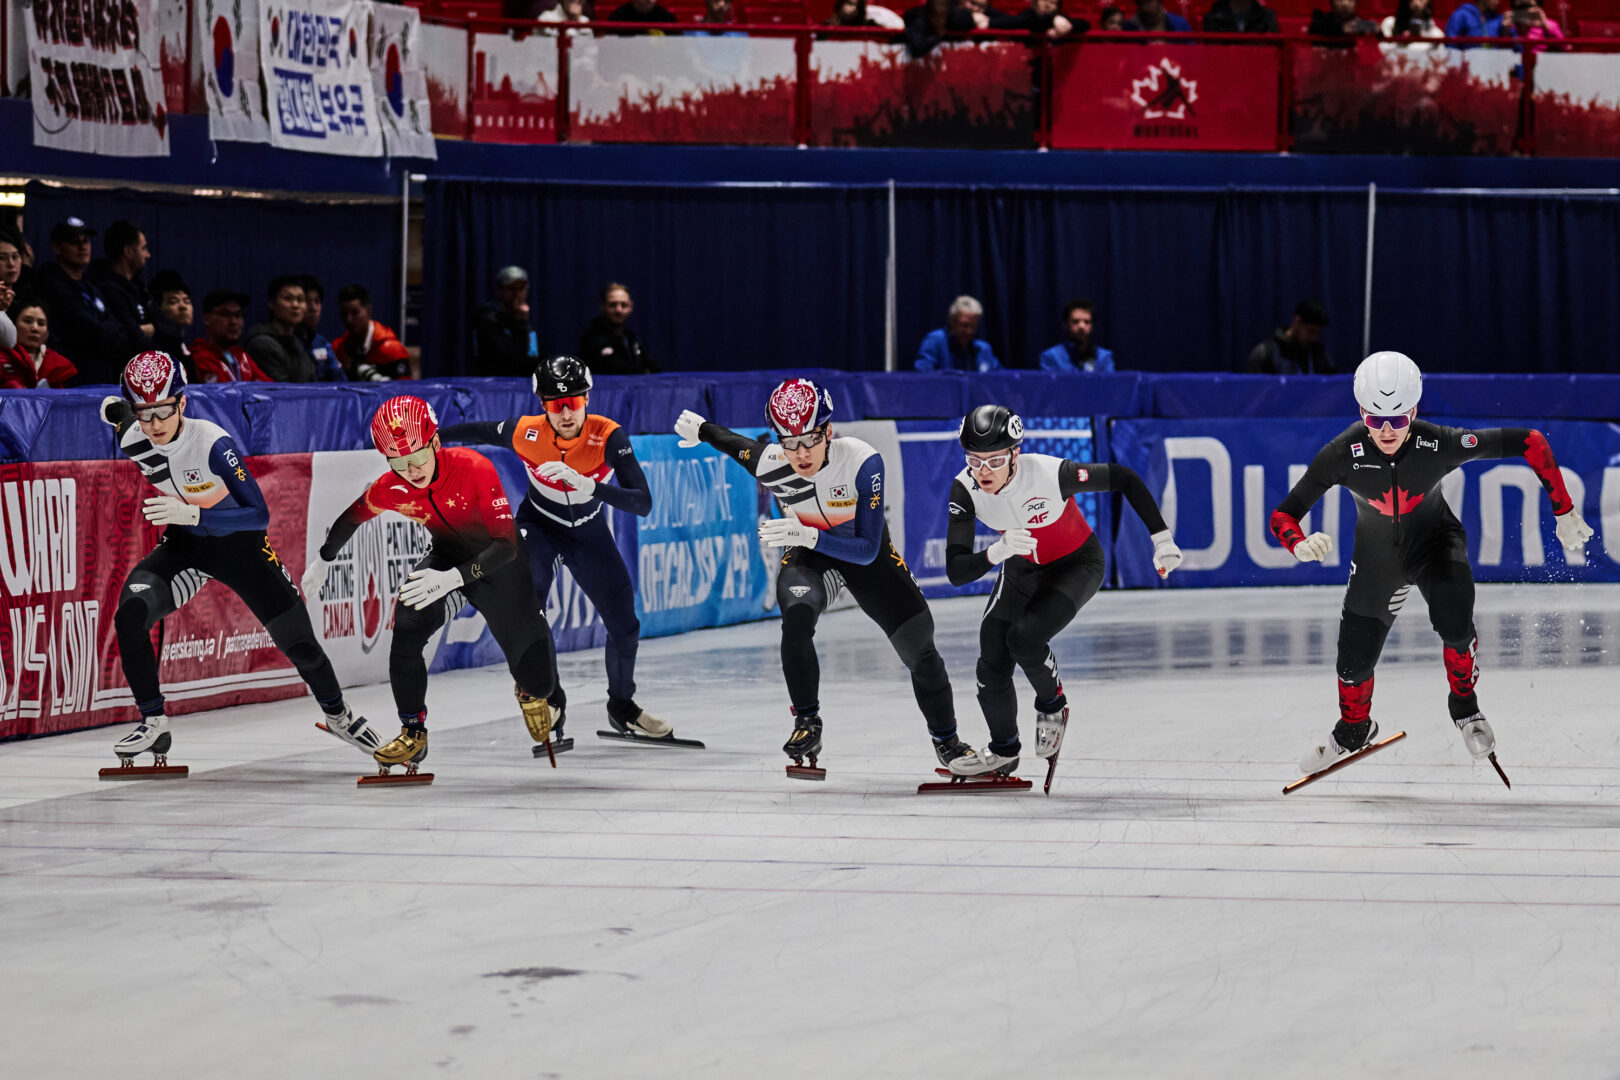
[[1130, 96], [70, 532]]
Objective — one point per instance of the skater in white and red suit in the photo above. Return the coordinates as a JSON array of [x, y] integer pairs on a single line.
[[1050, 564], [1406, 535]]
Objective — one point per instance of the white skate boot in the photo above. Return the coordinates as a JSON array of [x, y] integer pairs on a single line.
[[1477, 735], [153, 734], [351, 729], [645, 725], [962, 760], [1326, 753], [1049, 729]]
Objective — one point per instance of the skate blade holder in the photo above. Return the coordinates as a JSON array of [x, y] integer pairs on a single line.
[[552, 748], [1348, 759], [800, 771], [974, 785], [160, 769], [648, 740], [410, 776]]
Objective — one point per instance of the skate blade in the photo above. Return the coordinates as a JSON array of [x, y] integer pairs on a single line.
[[1051, 770], [962, 785], [1348, 759], [396, 778], [146, 772], [806, 772], [1490, 757], [558, 746], [647, 740]]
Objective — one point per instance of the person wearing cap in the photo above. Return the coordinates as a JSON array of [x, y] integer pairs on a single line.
[[83, 329], [608, 345], [1295, 349], [503, 341], [118, 276], [218, 355], [274, 344], [368, 350]]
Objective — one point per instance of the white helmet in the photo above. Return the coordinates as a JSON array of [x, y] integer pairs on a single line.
[[1388, 384]]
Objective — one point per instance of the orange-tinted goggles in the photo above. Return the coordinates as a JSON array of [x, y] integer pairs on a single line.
[[558, 404]]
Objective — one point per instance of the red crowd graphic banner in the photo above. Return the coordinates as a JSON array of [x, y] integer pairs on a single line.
[[70, 532], [1165, 97]]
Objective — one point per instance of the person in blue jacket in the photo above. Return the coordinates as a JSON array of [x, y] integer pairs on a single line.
[[956, 345], [1077, 352]]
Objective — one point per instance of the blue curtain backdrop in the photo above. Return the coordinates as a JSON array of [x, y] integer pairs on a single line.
[[241, 243], [749, 277], [723, 278]]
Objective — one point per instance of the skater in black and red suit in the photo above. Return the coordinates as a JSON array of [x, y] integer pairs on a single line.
[[1406, 535], [457, 495]]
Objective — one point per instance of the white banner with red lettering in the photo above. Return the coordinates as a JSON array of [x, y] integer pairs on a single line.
[[227, 37], [97, 77], [317, 76], [395, 44]]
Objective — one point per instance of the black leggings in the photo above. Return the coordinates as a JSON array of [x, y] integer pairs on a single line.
[[886, 591], [246, 564], [592, 557], [1028, 607], [505, 598], [1379, 583]]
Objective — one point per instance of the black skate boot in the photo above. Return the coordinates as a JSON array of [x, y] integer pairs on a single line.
[[805, 743]]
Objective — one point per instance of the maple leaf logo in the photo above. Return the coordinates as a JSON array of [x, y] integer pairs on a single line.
[[1163, 93], [371, 608], [1395, 501]]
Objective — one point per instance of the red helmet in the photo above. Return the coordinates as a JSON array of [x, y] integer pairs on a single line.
[[403, 425], [797, 406], [152, 376]]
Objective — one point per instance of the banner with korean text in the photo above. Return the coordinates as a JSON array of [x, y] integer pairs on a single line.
[[317, 75], [97, 78]]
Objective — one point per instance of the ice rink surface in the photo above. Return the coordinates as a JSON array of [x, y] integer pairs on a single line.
[[1166, 912]]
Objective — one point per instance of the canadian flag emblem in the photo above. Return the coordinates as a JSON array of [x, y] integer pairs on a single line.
[[1163, 94]]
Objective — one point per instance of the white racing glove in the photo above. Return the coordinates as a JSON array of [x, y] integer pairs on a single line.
[[687, 428], [1012, 542], [315, 576], [562, 473], [1314, 548], [1166, 555], [167, 510], [1573, 531], [425, 586], [788, 532]]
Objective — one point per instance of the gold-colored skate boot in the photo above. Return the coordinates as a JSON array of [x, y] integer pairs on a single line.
[[410, 746], [536, 714]]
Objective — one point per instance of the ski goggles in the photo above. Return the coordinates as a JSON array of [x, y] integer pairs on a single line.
[[411, 461], [558, 404], [995, 461], [150, 413], [1394, 423], [803, 442]]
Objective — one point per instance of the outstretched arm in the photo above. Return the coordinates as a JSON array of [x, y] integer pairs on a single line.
[[630, 493], [1319, 477], [1075, 477], [485, 432]]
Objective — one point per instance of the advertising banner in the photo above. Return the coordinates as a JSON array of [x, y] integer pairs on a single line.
[[692, 89], [514, 93], [228, 33], [444, 66], [1577, 102], [97, 81], [1128, 96], [399, 83], [1218, 481], [317, 75]]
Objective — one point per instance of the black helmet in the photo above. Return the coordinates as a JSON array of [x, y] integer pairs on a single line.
[[990, 427], [561, 376]]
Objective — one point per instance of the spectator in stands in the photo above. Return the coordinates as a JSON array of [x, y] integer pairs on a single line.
[[571, 11], [172, 317], [1470, 19], [118, 276], [641, 11], [84, 330], [368, 350], [956, 345], [503, 341], [218, 354], [1296, 349], [1240, 17], [29, 364], [721, 12], [1340, 20], [1525, 19], [15, 273], [275, 345], [327, 367], [609, 346], [1412, 19], [1151, 15], [1041, 17], [1077, 352], [850, 13], [927, 25], [1110, 18], [8, 329]]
